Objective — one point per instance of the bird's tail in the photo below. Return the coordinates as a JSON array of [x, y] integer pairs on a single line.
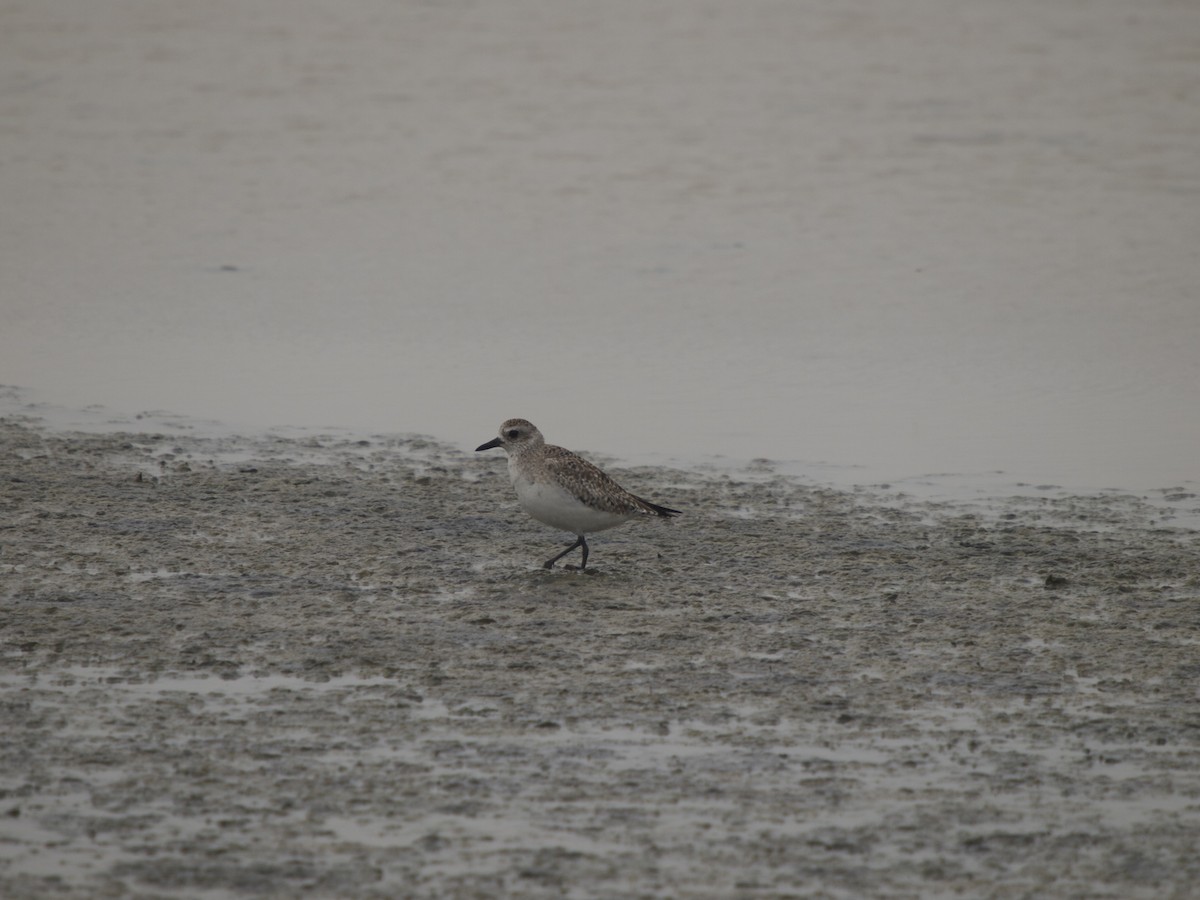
[[654, 509]]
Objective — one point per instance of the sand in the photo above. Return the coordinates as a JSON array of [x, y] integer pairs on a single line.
[[333, 667]]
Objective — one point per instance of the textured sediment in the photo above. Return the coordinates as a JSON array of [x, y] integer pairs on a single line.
[[334, 667]]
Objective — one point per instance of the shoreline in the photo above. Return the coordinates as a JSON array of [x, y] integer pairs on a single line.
[[977, 491], [334, 666]]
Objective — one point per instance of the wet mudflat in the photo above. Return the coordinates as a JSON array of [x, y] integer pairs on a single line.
[[333, 667]]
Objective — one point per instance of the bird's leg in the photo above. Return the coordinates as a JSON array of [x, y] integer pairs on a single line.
[[579, 543]]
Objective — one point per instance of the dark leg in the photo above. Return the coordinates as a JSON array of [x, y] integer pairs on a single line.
[[579, 543]]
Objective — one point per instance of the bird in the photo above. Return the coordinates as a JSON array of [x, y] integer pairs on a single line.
[[563, 490]]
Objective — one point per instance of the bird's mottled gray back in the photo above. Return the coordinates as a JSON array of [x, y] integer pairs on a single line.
[[592, 485]]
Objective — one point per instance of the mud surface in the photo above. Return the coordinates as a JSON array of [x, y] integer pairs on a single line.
[[333, 668]]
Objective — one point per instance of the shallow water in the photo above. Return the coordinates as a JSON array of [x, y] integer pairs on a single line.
[[877, 241]]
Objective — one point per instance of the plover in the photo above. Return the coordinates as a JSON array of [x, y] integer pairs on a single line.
[[564, 490]]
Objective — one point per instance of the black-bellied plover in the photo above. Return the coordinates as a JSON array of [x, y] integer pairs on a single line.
[[564, 490]]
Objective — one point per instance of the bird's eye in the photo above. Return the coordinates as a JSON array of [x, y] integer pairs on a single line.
[[512, 433]]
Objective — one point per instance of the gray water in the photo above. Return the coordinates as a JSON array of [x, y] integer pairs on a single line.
[[876, 241]]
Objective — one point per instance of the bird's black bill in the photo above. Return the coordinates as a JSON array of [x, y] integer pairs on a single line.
[[494, 442]]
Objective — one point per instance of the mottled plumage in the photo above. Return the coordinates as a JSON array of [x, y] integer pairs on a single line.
[[564, 490]]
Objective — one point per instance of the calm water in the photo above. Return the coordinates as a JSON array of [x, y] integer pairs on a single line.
[[877, 240]]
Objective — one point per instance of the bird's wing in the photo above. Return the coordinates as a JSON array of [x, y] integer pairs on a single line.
[[588, 482], [594, 487]]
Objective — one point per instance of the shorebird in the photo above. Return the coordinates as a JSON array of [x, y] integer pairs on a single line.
[[563, 490]]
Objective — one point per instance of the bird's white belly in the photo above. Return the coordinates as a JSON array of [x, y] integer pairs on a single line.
[[559, 508]]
